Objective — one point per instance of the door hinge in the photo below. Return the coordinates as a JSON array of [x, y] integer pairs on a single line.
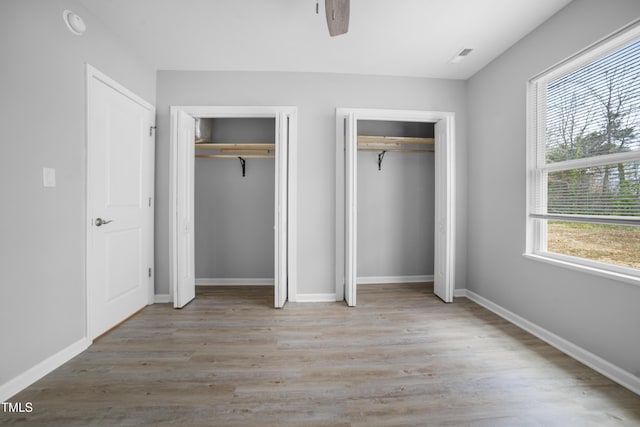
[[151, 129], [149, 271], [149, 201]]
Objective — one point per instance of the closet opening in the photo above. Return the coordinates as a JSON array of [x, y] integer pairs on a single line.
[[234, 191], [396, 202], [233, 204], [395, 199]]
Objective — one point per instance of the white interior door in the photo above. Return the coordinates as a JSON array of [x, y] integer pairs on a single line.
[[351, 210], [120, 150], [443, 258], [281, 207], [185, 286]]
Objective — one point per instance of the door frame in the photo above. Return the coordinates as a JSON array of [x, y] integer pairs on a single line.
[[93, 73], [288, 205], [445, 195]]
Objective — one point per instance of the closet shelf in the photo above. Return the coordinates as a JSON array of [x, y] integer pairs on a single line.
[[231, 151], [398, 144], [235, 156], [235, 147], [381, 142], [396, 150]]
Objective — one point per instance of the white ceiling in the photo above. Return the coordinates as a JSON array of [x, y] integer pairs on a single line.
[[386, 37]]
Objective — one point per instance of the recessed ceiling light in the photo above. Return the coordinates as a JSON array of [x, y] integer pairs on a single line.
[[464, 52], [75, 24]]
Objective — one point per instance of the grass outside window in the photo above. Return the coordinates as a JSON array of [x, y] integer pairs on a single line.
[[613, 244]]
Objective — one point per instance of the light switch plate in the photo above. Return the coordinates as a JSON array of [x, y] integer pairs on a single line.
[[48, 177]]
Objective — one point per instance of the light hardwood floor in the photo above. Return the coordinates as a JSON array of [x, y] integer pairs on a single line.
[[401, 357]]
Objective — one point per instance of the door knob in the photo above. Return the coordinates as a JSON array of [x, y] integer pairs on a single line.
[[101, 221]]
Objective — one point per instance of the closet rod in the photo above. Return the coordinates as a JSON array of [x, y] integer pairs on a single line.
[[378, 144], [366, 139], [382, 152], [235, 146], [235, 156], [396, 150], [247, 151]]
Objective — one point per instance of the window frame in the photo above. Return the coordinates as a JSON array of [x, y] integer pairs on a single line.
[[537, 168]]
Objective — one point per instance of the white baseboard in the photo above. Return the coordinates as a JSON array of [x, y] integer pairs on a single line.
[[161, 298], [609, 370], [24, 380], [213, 281], [457, 293], [377, 280], [315, 298]]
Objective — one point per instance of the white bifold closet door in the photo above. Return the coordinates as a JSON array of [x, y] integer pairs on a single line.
[[444, 255], [351, 210], [185, 290], [281, 237]]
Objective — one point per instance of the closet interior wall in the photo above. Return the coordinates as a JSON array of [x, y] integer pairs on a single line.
[[395, 205], [234, 214]]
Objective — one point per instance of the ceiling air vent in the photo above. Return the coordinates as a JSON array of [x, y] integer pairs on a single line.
[[461, 55]]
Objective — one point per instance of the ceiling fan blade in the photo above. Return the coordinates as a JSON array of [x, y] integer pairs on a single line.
[[337, 12]]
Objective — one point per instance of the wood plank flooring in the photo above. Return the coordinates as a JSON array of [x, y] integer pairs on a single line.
[[400, 358]]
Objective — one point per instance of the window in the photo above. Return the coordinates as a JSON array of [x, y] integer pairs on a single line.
[[583, 161]]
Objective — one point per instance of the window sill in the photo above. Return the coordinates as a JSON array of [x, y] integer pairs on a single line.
[[613, 275]]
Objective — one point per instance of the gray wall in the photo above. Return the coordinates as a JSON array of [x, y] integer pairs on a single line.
[[316, 95], [597, 314], [42, 110], [234, 215], [395, 205]]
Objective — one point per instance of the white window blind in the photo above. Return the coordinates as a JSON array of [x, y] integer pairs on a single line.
[[588, 140]]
